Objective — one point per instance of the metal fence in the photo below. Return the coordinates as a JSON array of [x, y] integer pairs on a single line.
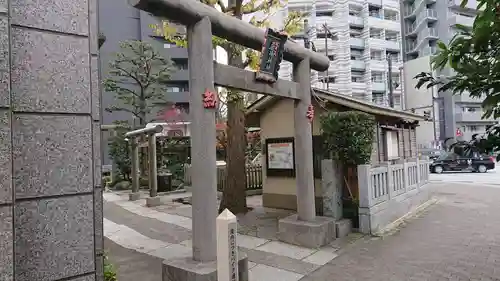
[[254, 176]]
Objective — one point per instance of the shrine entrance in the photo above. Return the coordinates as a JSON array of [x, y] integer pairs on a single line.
[[202, 22]]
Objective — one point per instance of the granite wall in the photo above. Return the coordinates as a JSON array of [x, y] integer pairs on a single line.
[[50, 189]]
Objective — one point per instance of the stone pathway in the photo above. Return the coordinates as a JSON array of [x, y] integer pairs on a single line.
[[164, 232], [456, 239]]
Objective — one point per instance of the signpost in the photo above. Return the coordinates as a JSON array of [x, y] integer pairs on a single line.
[[271, 56], [227, 249]]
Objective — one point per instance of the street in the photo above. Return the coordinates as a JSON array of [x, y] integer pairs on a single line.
[[491, 177]]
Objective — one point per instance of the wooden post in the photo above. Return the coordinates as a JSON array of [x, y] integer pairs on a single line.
[[306, 208], [153, 180], [227, 249], [203, 142]]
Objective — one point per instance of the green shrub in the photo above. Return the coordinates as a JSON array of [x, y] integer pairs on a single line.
[[123, 185], [106, 180], [109, 270], [348, 136], [144, 182]]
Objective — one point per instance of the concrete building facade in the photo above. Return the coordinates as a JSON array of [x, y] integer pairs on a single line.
[[425, 22], [119, 22], [368, 34]]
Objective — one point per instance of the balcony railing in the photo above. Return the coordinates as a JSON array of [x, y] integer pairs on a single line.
[[430, 32], [470, 117], [356, 20], [463, 20], [357, 42], [358, 64], [429, 51], [378, 86]]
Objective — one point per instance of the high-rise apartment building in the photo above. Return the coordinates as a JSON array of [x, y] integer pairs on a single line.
[[119, 21], [424, 23], [367, 36]]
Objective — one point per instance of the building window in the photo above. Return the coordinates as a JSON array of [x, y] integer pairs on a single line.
[[376, 55], [329, 79], [177, 88], [472, 128], [378, 98], [356, 54], [181, 64], [391, 15], [391, 36], [376, 33], [377, 77], [392, 144], [374, 12], [357, 79], [355, 10], [324, 14], [355, 32]]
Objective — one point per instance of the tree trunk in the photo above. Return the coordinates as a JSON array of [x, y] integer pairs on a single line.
[[234, 193]]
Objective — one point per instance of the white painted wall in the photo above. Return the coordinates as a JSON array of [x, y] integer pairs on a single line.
[[418, 98]]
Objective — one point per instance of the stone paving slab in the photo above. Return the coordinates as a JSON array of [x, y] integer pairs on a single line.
[[166, 235], [456, 239]]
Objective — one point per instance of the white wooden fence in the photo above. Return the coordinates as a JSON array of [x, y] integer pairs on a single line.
[[388, 192]]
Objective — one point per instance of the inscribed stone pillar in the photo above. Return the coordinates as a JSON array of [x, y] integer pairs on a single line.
[[331, 186], [50, 180]]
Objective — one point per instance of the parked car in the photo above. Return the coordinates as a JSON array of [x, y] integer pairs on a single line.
[[432, 153], [449, 161]]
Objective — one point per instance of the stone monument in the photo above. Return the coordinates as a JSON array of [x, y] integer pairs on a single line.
[[50, 179]]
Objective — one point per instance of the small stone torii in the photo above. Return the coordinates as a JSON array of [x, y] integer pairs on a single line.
[[202, 22]]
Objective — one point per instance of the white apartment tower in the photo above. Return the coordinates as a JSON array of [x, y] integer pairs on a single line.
[[368, 35]]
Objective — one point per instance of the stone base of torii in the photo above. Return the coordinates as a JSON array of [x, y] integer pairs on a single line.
[[202, 21]]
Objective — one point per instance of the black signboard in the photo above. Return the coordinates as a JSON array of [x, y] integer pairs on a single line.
[[271, 56]]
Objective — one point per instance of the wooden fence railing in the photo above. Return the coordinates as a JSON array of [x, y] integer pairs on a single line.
[[254, 176]]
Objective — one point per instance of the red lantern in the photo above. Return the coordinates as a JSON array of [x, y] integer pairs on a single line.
[[310, 113], [209, 99]]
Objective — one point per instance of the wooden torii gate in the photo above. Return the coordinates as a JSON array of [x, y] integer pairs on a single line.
[[202, 22]]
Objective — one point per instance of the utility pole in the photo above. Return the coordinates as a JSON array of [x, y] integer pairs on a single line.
[[389, 77], [327, 78], [328, 34]]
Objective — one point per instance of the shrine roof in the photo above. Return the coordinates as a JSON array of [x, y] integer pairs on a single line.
[[351, 103]]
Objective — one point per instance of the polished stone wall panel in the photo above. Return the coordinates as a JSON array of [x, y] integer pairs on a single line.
[[50, 72], [93, 27], [54, 238], [4, 61], [56, 15], [98, 216], [6, 244], [5, 158], [52, 155], [96, 93], [3, 6], [96, 135]]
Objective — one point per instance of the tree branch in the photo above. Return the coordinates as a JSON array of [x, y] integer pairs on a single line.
[[128, 74]]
